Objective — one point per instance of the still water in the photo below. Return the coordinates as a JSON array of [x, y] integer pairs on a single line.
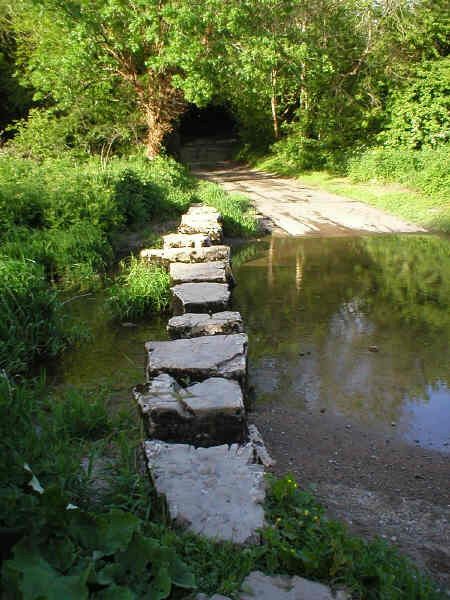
[[355, 326]]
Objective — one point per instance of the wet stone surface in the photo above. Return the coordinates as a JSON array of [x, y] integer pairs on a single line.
[[198, 255], [204, 414], [208, 272], [198, 359], [184, 240], [281, 587], [200, 297], [199, 221], [194, 325], [217, 492]]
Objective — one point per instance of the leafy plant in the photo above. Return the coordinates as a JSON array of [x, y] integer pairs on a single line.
[[76, 554], [139, 289]]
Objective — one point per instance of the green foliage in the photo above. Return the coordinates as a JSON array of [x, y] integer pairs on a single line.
[[139, 289], [426, 170], [300, 540], [238, 217], [31, 325], [420, 109], [84, 555], [59, 550]]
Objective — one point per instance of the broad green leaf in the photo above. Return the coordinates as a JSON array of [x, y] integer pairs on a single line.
[[40, 580], [115, 530], [161, 585], [110, 573], [115, 592], [181, 575], [141, 551]]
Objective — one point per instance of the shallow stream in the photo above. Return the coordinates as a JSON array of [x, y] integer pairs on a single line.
[[357, 326]]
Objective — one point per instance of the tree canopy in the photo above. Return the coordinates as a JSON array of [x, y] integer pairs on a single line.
[[330, 71]]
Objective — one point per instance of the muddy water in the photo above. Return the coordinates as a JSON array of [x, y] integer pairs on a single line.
[[352, 326]]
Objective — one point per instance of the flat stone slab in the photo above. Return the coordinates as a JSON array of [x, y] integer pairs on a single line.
[[205, 414], [194, 325], [154, 256], [200, 297], [185, 240], [200, 208], [200, 358], [198, 255], [208, 272], [281, 587], [216, 492], [200, 222]]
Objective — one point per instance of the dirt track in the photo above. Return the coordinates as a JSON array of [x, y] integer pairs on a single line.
[[285, 203]]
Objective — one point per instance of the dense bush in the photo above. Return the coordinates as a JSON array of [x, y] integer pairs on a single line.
[[427, 170]]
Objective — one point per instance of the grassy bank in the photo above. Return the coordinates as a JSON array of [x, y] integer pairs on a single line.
[[78, 520], [411, 184], [60, 224]]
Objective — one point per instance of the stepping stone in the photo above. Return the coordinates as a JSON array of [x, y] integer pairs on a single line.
[[183, 240], [283, 587], [217, 492], [154, 256], [199, 358], [208, 272], [205, 414], [200, 297], [194, 325], [198, 220], [258, 586], [198, 255]]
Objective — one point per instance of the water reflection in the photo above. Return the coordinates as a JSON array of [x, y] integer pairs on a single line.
[[358, 326]]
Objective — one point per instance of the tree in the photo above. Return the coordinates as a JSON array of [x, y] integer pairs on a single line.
[[118, 61]]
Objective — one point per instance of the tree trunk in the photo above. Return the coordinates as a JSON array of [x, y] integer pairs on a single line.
[[163, 107], [156, 132], [276, 128]]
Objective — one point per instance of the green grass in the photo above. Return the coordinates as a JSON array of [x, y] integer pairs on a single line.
[[399, 185], [139, 289], [238, 217]]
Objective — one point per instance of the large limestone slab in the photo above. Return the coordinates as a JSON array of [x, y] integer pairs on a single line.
[[185, 240], [194, 325], [199, 358], [283, 587], [200, 297], [258, 586], [198, 255], [202, 220], [208, 413], [203, 209], [155, 256], [217, 492], [208, 272]]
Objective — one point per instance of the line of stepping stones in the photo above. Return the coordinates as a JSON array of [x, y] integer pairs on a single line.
[[202, 455]]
